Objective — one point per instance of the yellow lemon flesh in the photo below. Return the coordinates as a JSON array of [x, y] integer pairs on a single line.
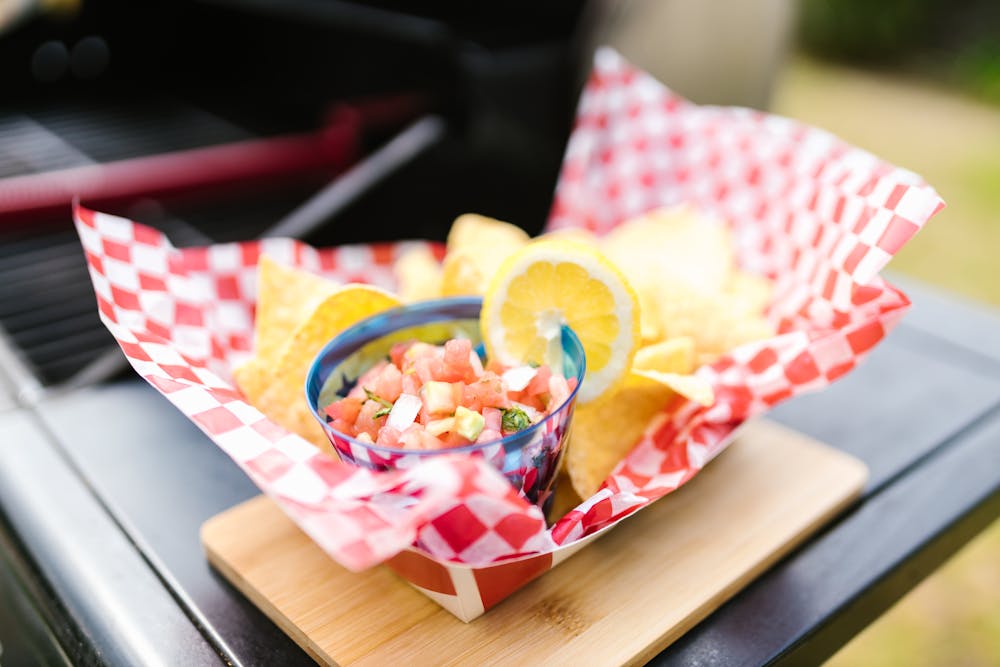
[[548, 284]]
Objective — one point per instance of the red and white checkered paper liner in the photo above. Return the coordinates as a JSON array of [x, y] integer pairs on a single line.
[[817, 215]]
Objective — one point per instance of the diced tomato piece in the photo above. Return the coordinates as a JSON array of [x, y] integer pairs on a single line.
[[389, 383], [470, 398], [571, 383], [347, 428], [346, 409], [410, 384], [456, 352], [532, 401], [398, 353], [424, 417], [387, 437], [430, 368], [422, 369], [457, 392], [411, 437], [540, 383], [486, 392], [495, 366], [367, 379], [428, 441], [446, 373], [457, 361], [452, 439], [367, 422]]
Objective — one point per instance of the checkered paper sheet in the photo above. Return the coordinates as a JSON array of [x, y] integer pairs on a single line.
[[815, 214], [818, 216]]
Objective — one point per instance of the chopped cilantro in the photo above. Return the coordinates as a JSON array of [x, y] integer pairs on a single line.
[[515, 419], [381, 412], [372, 396]]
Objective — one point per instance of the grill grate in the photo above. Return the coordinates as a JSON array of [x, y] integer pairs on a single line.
[[106, 130], [47, 306]]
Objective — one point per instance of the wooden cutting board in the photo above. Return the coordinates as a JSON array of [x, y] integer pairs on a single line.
[[620, 600]]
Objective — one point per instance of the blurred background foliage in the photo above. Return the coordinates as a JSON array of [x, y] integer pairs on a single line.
[[955, 41], [917, 82]]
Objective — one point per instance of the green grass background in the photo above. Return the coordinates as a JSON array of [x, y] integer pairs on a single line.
[[953, 141]]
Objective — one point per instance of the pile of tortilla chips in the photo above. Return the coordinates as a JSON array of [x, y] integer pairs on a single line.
[[696, 304]]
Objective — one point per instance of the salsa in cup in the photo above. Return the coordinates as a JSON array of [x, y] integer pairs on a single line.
[[412, 382]]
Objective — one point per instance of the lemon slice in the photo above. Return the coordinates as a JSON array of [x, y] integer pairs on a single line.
[[550, 283]]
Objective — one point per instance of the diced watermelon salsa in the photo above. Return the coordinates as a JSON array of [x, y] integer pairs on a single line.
[[437, 396]]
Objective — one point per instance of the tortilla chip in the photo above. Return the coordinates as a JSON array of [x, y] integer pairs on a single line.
[[419, 275], [715, 321], [283, 400], [677, 245], [252, 378], [688, 386], [285, 297], [606, 430], [673, 355], [461, 275], [572, 234], [477, 245], [478, 231], [749, 294]]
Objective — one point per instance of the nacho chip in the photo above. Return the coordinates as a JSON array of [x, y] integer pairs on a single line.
[[253, 378], [606, 430], [679, 245], [572, 234], [650, 330], [688, 386], [461, 275], [477, 245], [285, 297], [282, 405], [749, 294], [717, 322], [564, 497], [418, 274], [283, 400], [674, 355], [478, 231]]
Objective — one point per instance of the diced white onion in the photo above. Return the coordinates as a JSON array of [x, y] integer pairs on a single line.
[[550, 327], [477, 363], [404, 411], [517, 378]]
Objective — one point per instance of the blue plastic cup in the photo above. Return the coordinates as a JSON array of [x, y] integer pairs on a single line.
[[529, 459]]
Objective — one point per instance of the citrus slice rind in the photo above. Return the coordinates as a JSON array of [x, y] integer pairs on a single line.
[[548, 284]]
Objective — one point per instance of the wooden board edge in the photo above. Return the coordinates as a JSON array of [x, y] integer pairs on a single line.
[[235, 579], [211, 525], [856, 476]]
